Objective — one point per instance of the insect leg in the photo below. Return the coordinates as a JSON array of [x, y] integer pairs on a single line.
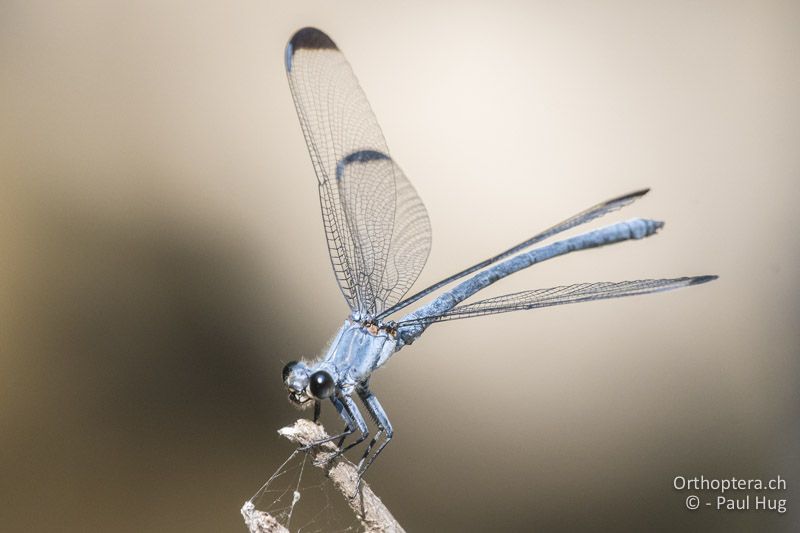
[[384, 428], [358, 418], [342, 408], [362, 426]]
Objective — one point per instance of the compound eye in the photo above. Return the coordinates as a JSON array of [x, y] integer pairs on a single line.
[[321, 385], [288, 369]]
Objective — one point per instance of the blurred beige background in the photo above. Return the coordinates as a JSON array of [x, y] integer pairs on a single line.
[[161, 257]]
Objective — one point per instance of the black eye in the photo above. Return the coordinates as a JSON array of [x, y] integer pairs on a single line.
[[321, 385], [288, 369]]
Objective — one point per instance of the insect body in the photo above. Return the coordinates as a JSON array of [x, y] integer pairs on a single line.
[[379, 237]]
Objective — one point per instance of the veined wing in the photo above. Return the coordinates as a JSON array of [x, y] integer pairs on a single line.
[[587, 215], [580, 292], [377, 228]]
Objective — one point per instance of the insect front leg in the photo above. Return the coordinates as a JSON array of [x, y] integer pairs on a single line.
[[317, 409], [344, 407]]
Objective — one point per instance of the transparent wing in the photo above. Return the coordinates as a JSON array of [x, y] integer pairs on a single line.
[[376, 226], [580, 292], [388, 226], [587, 215]]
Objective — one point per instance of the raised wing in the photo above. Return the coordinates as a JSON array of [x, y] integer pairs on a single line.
[[377, 228], [580, 292]]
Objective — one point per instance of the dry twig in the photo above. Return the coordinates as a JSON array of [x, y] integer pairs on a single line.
[[374, 516]]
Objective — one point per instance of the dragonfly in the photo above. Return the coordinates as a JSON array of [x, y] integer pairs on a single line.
[[379, 236]]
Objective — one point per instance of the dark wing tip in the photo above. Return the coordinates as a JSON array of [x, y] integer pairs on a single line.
[[309, 38], [362, 156], [620, 201], [634, 194], [703, 279], [359, 156]]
